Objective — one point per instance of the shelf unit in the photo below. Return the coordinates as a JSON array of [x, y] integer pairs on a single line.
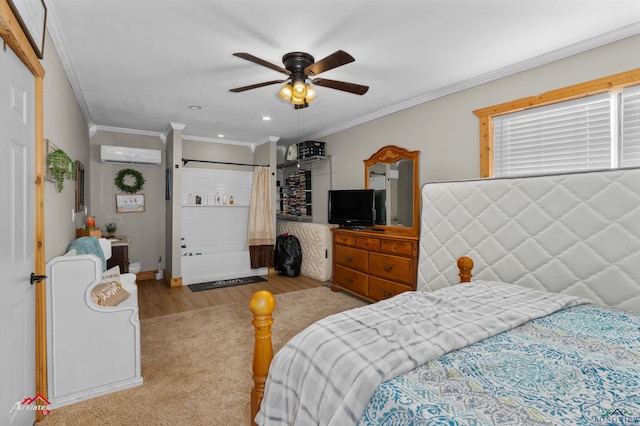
[[294, 218], [295, 200], [215, 205], [308, 160], [295, 195]]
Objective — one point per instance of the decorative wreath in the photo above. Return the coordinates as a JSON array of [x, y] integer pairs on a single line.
[[129, 189]]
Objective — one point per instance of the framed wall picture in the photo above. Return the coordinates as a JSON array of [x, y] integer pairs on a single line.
[[129, 203], [49, 148], [79, 186], [32, 17]]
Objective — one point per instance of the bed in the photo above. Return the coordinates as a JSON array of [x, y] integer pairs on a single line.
[[547, 332]]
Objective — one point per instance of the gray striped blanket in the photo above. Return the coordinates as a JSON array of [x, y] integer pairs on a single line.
[[327, 373]]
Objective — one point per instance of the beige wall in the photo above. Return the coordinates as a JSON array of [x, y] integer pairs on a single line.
[[65, 126], [146, 229], [447, 132], [216, 152]]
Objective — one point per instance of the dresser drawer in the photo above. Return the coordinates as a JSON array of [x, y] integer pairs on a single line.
[[365, 243], [351, 258], [391, 267], [347, 240], [399, 248], [350, 279], [382, 289]]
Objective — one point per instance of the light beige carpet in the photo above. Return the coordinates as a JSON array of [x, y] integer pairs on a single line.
[[197, 365]]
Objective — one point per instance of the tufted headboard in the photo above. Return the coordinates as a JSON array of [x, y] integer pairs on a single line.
[[575, 233], [315, 241]]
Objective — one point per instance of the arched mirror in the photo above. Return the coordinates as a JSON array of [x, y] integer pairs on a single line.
[[393, 172]]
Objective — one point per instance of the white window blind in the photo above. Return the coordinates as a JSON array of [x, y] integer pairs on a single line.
[[630, 113], [568, 136]]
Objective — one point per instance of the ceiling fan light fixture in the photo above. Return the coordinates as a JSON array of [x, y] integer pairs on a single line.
[[298, 100], [286, 92], [299, 89], [311, 93], [300, 67]]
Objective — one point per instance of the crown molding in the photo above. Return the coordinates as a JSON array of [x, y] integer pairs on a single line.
[[216, 140], [60, 44], [160, 135], [176, 126], [556, 55]]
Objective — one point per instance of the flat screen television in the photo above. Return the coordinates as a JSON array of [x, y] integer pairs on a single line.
[[352, 208]]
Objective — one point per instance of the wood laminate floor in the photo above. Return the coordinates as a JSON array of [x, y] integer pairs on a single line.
[[156, 298]]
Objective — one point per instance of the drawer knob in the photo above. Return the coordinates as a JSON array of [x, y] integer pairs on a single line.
[[386, 293], [388, 268], [349, 258], [349, 280]]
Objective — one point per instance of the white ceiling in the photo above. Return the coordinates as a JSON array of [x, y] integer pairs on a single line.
[[139, 64]]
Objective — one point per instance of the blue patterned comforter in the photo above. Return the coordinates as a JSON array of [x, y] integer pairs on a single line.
[[578, 366], [326, 374]]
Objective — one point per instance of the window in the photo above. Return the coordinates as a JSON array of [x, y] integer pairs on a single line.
[[592, 125], [594, 132], [631, 126]]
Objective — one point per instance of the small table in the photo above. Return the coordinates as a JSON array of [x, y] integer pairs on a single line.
[[119, 253]]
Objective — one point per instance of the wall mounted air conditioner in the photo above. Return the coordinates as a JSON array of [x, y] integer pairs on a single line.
[[126, 155]]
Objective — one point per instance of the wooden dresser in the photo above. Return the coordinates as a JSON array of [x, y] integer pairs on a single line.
[[374, 265]]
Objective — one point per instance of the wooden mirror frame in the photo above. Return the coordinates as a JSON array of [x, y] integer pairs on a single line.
[[390, 154]]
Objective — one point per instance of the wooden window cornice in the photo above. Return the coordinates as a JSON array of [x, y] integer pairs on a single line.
[[593, 87]]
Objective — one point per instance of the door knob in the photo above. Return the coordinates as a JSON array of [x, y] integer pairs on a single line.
[[35, 278]]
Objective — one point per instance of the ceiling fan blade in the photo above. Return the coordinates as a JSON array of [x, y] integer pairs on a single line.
[[256, 60], [332, 61], [357, 89], [255, 86]]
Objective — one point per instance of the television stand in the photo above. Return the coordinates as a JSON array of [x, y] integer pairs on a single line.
[[353, 227], [374, 265]]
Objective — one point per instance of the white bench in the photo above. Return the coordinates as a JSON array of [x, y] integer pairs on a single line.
[[92, 350]]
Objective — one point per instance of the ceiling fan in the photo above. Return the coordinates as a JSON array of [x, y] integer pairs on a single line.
[[300, 67]]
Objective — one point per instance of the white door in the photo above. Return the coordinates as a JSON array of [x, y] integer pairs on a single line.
[[17, 295]]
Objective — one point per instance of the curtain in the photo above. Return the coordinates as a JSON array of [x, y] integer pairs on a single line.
[[261, 232]]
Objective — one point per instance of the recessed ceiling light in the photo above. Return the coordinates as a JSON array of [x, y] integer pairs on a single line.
[[221, 136], [195, 107], [266, 118]]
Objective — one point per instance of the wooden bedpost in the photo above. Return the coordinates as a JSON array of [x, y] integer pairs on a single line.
[[465, 265], [262, 305]]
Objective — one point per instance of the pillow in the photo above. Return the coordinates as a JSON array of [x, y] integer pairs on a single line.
[[109, 292], [112, 274]]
